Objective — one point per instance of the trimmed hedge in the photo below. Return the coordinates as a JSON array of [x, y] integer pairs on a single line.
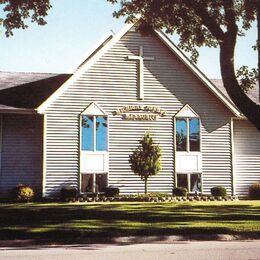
[[180, 191], [68, 192], [22, 193], [254, 191], [218, 191], [111, 191]]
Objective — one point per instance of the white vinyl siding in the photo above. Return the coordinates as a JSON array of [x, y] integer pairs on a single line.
[[112, 83], [246, 156]]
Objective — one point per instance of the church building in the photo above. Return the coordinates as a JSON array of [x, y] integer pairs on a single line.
[[79, 129]]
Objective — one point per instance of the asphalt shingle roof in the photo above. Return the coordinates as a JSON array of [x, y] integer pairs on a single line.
[[253, 93], [28, 90]]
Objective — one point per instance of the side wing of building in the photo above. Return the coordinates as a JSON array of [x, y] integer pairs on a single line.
[[246, 156]]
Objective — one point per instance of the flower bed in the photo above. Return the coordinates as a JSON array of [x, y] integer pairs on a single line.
[[146, 198]]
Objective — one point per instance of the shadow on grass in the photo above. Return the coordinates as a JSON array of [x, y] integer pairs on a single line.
[[83, 223]]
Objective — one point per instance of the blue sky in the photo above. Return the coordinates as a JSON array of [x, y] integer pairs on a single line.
[[74, 27]]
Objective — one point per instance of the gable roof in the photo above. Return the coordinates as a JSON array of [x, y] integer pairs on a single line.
[[27, 90], [101, 49], [39, 90]]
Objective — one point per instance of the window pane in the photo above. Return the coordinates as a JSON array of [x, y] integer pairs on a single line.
[[195, 183], [194, 134], [101, 133], [182, 180], [87, 183], [181, 134], [87, 133], [101, 182]]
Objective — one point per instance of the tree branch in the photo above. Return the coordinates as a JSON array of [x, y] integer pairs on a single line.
[[206, 19]]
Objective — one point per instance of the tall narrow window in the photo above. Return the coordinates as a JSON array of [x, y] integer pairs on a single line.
[[87, 133], [194, 134], [94, 133], [101, 133], [181, 134], [188, 134]]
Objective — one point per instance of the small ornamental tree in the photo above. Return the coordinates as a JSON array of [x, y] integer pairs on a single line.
[[146, 159]]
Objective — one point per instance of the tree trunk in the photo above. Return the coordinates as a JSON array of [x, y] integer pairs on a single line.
[[145, 185], [250, 109]]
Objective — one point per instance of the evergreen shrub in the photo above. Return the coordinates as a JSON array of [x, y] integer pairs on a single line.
[[68, 192], [218, 191], [145, 160], [111, 191], [180, 192], [254, 191]]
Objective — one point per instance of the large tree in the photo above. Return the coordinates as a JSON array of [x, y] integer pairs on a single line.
[[205, 23], [17, 13]]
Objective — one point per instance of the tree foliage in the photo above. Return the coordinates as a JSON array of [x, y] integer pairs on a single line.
[[208, 23], [17, 12], [146, 159]]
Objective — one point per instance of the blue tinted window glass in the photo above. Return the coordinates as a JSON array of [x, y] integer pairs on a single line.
[[194, 134], [181, 135], [101, 133], [87, 133]]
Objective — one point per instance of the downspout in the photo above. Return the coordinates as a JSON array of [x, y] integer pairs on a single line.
[[44, 155], [233, 178]]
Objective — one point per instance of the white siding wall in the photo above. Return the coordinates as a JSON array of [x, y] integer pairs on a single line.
[[112, 82], [21, 157], [247, 156]]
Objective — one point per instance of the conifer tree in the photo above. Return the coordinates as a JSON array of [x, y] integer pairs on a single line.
[[146, 159]]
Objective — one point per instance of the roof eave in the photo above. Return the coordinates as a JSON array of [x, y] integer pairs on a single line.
[[23, 111]]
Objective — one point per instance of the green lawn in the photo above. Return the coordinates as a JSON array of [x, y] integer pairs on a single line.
[[77, 222]]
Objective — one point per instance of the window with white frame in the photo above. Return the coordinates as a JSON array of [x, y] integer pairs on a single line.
[[188, 134], [190, 181], [93, 182], [94, 133], [94, 149], [188, 149]]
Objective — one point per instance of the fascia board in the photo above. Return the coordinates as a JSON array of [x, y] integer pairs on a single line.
[[92, 51]]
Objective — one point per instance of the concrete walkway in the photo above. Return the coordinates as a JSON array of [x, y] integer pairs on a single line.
[[181, 250]]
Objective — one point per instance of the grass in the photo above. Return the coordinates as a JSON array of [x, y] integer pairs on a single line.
[[78, 222]]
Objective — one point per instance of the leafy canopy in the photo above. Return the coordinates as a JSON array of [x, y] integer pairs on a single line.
[[197, 22], [17, 12]]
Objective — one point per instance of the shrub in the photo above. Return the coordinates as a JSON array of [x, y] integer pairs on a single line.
[[180, 191], [254, 191], [22, 193], [218, 191], [68, 192], [111, 191]]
